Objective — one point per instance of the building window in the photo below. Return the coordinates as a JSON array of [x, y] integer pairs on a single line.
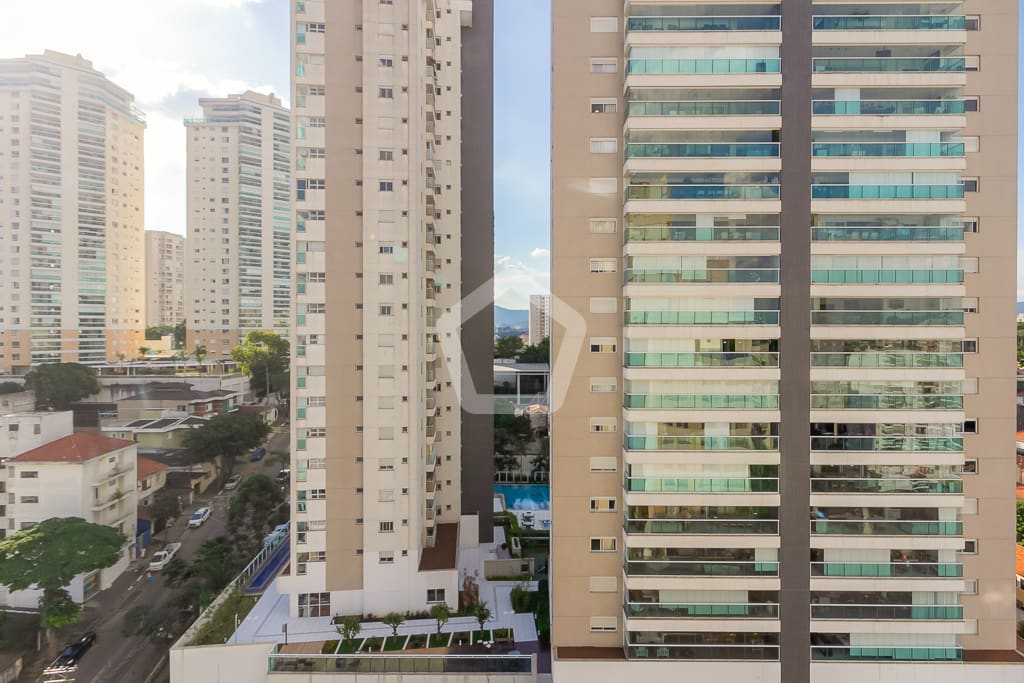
[[604, 544], [314, 604], [386, 557], [603, 226], [387, 186], [604, 145], [387, 527], [603, 504], [30, 499], [603, 624], [603, 265], [603, 106], [386, 155], [604, 24], [435, 595], [970, 547], [603, 345], [29, 474], [604, 65], [604, 424], [385, 93]]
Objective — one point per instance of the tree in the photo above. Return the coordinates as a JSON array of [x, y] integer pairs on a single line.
[[214, 565], [481, 613], [1020, 521], [263, 356], [143, 351], [58, 385], [179, 332], [349, 628], [226, 436], [176, 572], [511, 432], [11, 387], [200, 353], [252, 513], [158, 332], [441, 614], [166, 504], [539, 353], [542, 461], [49, 555], [394, 620], [507, 347]]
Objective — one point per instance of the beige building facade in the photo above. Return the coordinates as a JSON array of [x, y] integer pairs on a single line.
[[540, 318], [238, 260], [165, 278], [72, 277], [785, 452]]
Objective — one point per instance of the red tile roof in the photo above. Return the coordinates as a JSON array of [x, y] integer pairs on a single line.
[[1020, 560], [144, 467], [78, 447]]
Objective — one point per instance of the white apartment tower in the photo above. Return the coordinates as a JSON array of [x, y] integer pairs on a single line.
[[165, 278], [392, 116], [238, 265], [540, 318], [72, 280]]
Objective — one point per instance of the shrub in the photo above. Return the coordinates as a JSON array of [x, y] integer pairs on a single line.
[[329, 647]]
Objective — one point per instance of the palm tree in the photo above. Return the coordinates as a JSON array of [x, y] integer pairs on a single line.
[[199, 353], [441, 614], [482, 614], [394, 620]]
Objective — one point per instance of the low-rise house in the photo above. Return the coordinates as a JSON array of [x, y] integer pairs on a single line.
[[155, 399], [155, 434], [18, 402], [151, 477]]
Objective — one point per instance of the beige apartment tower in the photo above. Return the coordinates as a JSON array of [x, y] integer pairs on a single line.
[[782, 238], [238, 262], [392, 124], [72, 280], [165, 278], [540, 318]]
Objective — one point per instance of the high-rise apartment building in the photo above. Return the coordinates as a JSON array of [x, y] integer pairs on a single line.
[[786, 448], [72, 281], [238, 265], [165, 278], [393, 193], [540, 318]]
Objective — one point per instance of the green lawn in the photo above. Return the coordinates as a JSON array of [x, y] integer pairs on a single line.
[[417, 641], [394, 643], [329, 647], [438, 640], [373, 644], [222, 625]]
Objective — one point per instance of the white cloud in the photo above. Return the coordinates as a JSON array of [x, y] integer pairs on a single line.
[[515, 281], [540, 253]]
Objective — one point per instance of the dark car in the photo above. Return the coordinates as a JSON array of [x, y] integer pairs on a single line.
[[258, 454], [74, 651]]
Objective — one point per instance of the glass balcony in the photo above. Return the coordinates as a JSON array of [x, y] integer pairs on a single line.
[[901, 486], [742, 192], [705, 108], [708, 359], [889, 64], [697, 568], [886, 107], [885, 527], [702, 526], [904, 234], [887, 191], [706, 66], [887, 360], [704, 652], [374, 666], [887, 149], [908, 570], [702, 443], [723, 23], [708, 150], [895, 654], [692, 401], [699, 275], [659, 610], [703, 485], [945, 444], [693, 234], [890, 22], [887, 276], [930, 612], [702, 318], [886, 402], [887, 318]]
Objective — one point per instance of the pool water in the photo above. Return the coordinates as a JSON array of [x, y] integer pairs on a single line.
[[525, 496]]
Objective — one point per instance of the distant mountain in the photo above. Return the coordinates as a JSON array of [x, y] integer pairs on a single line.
[[508, 317], [1020, 306]]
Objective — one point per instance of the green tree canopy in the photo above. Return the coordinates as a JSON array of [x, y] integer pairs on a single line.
[[166, 504], [538, 353], [507, 347], [58, 385], [50, 554], [11, 387], [253, 513], [158, 331], [1020, 521], [215, 564], [511, 433], [229, 435], [263, 356]]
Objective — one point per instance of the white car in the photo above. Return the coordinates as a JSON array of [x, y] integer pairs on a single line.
[[232, 482], [162, 557], [280, 531], [198, 518]]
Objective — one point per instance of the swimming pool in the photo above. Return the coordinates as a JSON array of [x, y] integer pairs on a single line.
[[525, 496]]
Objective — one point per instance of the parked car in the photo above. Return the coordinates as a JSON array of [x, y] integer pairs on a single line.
[[283, 476], [162, 557], [198, 518], [232, 482], [258, 454], [74, 651], [280, 531]]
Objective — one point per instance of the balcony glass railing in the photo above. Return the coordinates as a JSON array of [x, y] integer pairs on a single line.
[[704, 652], [702, 443], [939, 612], [674, 234], [890, 22], [742, 192], [722, 23], [887, 318], [705, 108], [905, 234], [886, 654], [886, 486], [659, 610], [887, 191], [698, 568], [885, 527], [887, 360], [909, 570], [888, 443], [702, 526], [699, 275], [692, 401], [886, 402], [705, 150], [875, 276], [886, 107], [705, 66], [733, 485], [889, 64], [707, 359], [887, 149], [375, 664], [702, 318]]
